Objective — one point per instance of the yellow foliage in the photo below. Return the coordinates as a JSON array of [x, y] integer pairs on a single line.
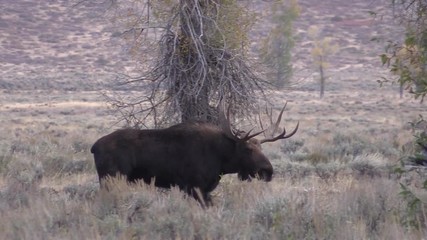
[[313, 32], [292, 7], [409, 56], [322, 47]]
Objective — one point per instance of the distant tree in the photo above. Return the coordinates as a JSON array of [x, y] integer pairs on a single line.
[[190, 55], [322, 49], [276, 48]]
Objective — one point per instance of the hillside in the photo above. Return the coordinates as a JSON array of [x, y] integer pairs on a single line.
[[42, 41]]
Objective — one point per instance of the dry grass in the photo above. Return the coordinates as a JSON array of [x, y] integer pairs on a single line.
[[309, 209], [333, 180]]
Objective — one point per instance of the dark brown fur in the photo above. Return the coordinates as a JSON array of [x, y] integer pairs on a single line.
[[188, 155]]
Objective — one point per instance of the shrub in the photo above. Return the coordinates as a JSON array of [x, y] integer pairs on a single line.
[[24, 172], [291, 146]]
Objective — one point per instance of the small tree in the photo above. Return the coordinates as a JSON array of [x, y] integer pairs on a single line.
[[276, 48], [191, 54], [321, 51], [405, 67], [408, 61]]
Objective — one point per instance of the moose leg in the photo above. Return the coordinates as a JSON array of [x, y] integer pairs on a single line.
[[202, 197], [207, 199]]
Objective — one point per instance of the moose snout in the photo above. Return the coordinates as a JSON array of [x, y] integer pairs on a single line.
[[265, 174], [262, 174]]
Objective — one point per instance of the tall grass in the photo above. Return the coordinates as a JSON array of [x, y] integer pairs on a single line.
[[310, 209], [333, 180], [50, 191]]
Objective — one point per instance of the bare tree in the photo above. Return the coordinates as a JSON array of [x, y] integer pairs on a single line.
[[191, 54]]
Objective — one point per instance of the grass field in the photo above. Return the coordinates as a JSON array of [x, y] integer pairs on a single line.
[[333, 180]]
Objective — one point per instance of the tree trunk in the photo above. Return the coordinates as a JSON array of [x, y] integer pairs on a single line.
[[194, 100], [322, 78]]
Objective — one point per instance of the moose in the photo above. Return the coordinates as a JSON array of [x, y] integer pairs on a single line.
[[192, 156]]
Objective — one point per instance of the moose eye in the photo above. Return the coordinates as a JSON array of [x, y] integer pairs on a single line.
[[249, 150]]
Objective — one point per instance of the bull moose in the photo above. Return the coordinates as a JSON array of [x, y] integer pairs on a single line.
[[192, 156]]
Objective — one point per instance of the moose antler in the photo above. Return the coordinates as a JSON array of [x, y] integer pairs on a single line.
[[224, 122], [272, 127], [224, 119], [276, 126], [249, 136]]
